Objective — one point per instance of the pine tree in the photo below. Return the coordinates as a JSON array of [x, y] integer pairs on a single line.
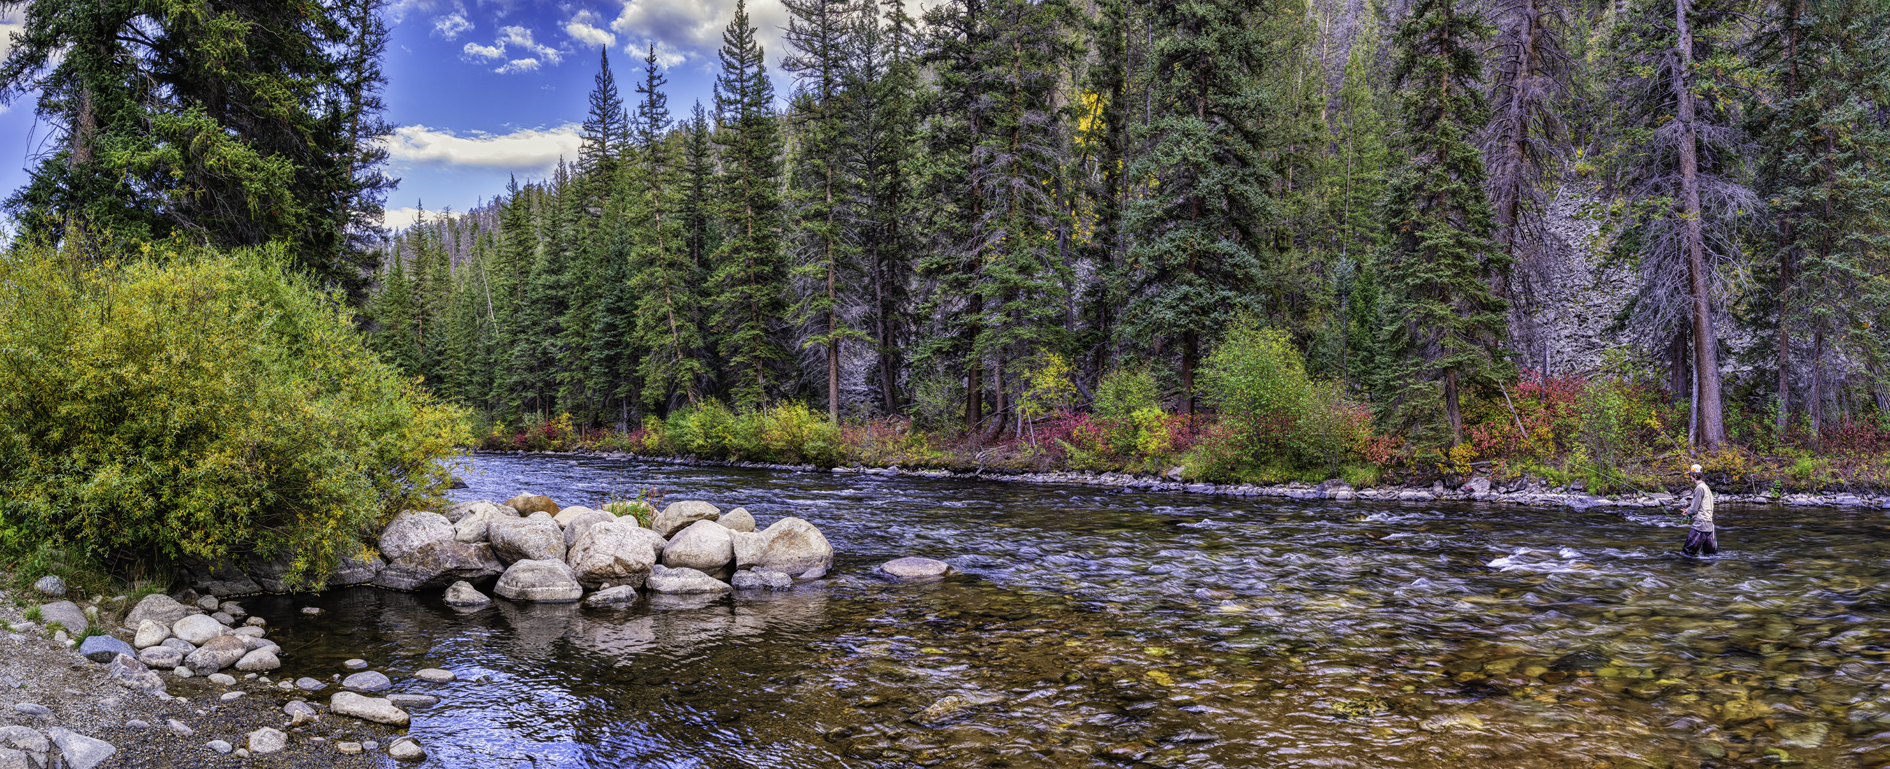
[[1444, 324], [1103, 144], [750, 274], [697, 207], [606, 127], [1208, 216], [882, 89], [819, 37], [1680, 172], [1820, 149], [665, 278], [393, 310]]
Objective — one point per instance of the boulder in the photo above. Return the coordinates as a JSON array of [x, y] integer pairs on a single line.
[[28, 740], [616, 551], [160, 657], [762, 580], [216, 654], [472, 527], [267, 740], [612, 598], [704, 546], [356, 570], [374, 709], [526, 539], [458, 510], [529, 503], [159, 608], [915, 569], [679, 515], [81, 752], [439, 563], [259, 661], [565, 515], [796, 547], [128, 672], [103, 648], [411, 532], [750, 547], [66, 613], [462, 593], [576, 525], [737, 520], [683, 581], [540, 581], [406, 749], [182, 646], [367, 681], [150, 633], [197, 629], [50, 586], [1477, 485]]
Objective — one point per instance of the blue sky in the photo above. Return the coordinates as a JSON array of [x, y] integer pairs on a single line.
[[479, 90]]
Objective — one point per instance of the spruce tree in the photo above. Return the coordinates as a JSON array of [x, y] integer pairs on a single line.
[[749, 277], [882, 86], [664, 278], [1209, 215], [1444, 324], [606, 127], [819, 38]]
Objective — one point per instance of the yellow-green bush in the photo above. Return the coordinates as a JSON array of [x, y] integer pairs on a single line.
[[190, 404]]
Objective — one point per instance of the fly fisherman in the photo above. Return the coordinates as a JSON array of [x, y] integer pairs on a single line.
[[1701, 540]]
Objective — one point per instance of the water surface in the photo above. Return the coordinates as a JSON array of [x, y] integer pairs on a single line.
[[1090, 628]]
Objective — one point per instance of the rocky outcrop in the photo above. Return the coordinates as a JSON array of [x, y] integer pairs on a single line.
[[540, 581], [536, 538], [796, 547], [616, 551], [679, 515], [704, 546]]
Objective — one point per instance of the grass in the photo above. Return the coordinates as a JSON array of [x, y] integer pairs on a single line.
[[33, 614]]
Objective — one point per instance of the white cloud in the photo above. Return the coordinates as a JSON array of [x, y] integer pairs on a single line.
[[452, 25], [521, 38], [583, 28], [692, 29], [516, 66], [528, 151], [485, 51], [12, 20], [400, 218]]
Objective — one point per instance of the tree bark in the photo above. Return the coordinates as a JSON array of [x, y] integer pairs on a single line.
[[1705, 341]]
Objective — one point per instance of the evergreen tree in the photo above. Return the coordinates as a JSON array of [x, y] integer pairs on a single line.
[[750, 273], [665, 278], [1208, 215], [882, 85], [394, 314], [1444, 323], [606, 127], [818, 35]]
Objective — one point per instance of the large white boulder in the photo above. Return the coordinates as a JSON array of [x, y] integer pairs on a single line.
[[795, 547], [536, 538], [540, 581], [679, 515], [704, 546], [576, 525], [617, 551]]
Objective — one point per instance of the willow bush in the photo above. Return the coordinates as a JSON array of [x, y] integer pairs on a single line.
[[188, 404]]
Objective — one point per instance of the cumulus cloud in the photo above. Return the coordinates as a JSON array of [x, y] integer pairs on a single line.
[[692, 29], [583, 28], [400, 218], [11, 20], [452, 25], [476, 50], [516, 66], [527, 151], [521, 39]]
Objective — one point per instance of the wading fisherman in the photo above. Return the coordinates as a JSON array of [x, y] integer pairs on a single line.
[[1701, 540]]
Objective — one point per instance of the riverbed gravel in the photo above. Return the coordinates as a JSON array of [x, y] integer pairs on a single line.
[[50, 687]]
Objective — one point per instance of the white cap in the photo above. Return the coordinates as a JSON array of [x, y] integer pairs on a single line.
[[1696, 468]]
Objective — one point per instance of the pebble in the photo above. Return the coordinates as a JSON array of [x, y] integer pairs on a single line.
[[309, 684], [267, 740], [348, 747], [311, 610], [32, 709], [355, 664], [181, 672], [218, 746], [412, 700], [227, 696], [222, 679], [406, 749], [178, 728], [370, 745], [137, 724], [435, 675]]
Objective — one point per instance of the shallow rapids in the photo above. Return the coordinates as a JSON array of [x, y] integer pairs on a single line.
[[1113, 629]]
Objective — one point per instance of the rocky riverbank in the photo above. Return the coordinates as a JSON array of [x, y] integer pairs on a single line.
[[1527, 491], [111, 710]]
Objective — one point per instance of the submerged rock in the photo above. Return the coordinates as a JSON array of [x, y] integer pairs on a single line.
[[762, 580], [614, 598], [915, 569], [684, 581], [463, 594]]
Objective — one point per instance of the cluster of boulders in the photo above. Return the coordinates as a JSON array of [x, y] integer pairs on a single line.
[[543, 552]]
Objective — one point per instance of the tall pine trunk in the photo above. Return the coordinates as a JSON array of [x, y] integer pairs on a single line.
[[1705, 341]]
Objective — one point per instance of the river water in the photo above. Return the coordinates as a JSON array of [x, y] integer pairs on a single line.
[[1089, 628]]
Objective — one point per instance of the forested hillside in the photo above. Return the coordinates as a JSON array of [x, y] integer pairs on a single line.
[[991, 216]]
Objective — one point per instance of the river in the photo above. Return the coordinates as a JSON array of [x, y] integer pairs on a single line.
[[1088, 628]]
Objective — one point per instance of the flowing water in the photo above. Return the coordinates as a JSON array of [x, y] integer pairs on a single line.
[[1088, 628]]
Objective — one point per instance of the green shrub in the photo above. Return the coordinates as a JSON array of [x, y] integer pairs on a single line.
[[1281, 424], [1123, 392], [191, 404], [34, 614]]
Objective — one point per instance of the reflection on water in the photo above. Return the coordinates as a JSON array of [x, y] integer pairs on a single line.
[[1112, 629]]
